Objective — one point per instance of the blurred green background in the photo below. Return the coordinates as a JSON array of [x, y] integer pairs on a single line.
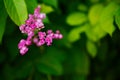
[[90, 49]]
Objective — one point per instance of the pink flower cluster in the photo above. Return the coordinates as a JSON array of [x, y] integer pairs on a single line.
[[32, 28]]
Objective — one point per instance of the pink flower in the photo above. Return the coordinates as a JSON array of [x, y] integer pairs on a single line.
[[48, 40], [49, 32], [42, 16], [22, 28], [35, 40], [21, 43], [23, 50], [41, 35], [41, 42], [60, 36], [32, 28], [28, 42]]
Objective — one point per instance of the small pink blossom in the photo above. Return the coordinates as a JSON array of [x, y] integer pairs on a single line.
[[60, 36], [32, 28], [41, 35], [21, 43], [48, 40], [23, 50], [41, 42], [35, 40]]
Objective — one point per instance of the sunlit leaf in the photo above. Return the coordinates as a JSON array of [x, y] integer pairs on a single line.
[[94, 13], [107, 18], [99, 32], [17, 10], [92, 48], [95, 33], [3, 16], [90, 33], [74, 34], [117, 18], [76, 18], [46, 8]]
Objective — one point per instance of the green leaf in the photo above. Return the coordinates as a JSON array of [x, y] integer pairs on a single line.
[[31, 5], [23, 70], [3, 16], [77, 62], [90, 33], [46, 8], [17, 10], [107, 18], [50, 63], [49, 66], [81, 63], [53, 3], [82, 7], [117, 18], [94, 13], [74, 34], [76, 18], [99, 32], [91, 47], [55, 53], [95, 33]]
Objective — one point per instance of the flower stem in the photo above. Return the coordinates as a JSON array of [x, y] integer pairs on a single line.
[[49, 77]]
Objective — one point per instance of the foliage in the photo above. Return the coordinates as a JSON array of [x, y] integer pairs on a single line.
[[88, 51]]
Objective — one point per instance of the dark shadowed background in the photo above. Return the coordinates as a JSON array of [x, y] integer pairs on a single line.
[[89, 50]]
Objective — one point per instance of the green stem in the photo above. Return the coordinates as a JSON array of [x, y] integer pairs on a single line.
[[49, 77], [31, 75]]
